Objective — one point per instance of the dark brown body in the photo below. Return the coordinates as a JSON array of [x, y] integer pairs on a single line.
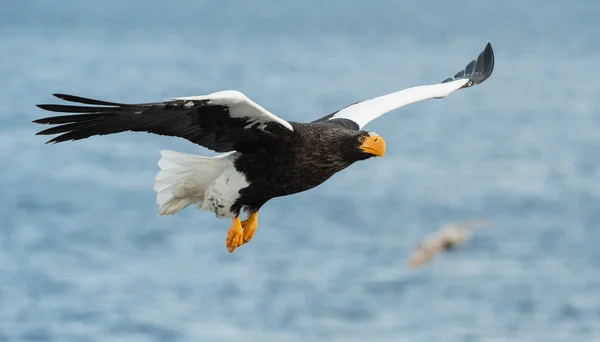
[[302, 161]]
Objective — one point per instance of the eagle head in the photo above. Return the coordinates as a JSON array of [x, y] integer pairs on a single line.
[[365, 145]]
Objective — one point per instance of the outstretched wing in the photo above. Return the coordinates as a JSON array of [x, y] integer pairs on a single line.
[[470, 224], [361, 113], [222, 121], [425, 251]]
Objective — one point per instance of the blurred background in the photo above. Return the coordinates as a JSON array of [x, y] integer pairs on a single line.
[[85, 257]]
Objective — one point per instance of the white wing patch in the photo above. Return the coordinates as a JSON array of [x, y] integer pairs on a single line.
[[364, 112], [474, 73], [240, 106]]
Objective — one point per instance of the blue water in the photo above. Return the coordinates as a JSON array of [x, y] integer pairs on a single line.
[[85, 257]]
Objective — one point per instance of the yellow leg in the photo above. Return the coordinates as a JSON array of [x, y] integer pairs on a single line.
[[235, 235], [250, 225]]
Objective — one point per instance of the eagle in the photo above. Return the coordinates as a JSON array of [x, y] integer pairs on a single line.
[[260, 155], [448, 238]]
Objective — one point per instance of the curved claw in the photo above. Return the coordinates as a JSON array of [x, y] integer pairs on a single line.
[[250, 226], [235, 235]]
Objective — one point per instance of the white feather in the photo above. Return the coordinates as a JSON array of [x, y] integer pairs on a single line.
[[240, 106], [366, 111], [184, 179], [224, 191], [476, 72]]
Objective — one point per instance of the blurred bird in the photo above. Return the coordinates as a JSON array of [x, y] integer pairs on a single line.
[[447, 238], [267, 157]]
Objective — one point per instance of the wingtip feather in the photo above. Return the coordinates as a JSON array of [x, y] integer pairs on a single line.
[[45, 106], [38, 121], [86, 100], [488, 61]]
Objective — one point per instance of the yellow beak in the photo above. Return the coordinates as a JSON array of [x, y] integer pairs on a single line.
[[374, 145]]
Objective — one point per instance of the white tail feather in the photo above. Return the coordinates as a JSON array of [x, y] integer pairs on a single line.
[[184, 178]]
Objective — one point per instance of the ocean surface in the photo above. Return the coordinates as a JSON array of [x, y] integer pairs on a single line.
[[84, 255]]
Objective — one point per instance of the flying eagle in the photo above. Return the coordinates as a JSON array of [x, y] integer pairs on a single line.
[[447, 238], [267, 157]]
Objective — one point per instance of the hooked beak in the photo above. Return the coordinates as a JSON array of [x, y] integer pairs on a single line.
[[374, 145]]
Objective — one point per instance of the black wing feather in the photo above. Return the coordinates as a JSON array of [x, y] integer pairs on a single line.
[[477, 70], [197, 121], [326, 117], [349, 124], [85, 100]]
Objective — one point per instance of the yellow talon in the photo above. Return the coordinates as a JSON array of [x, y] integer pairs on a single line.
[[250, 225], [235, 235]]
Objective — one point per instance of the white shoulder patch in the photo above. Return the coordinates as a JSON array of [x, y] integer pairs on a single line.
[[240, 106]]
